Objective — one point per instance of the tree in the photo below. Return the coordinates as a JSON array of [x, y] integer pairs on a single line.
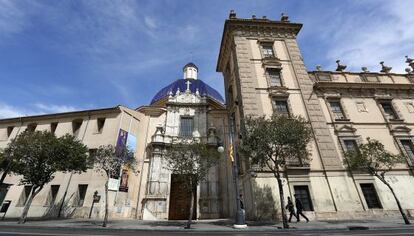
[[191, 163], [109, 160], [373, 157], [273, 143], [6, 165], [37, 156]]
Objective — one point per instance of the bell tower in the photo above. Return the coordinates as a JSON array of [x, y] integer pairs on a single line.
[[190, 71]]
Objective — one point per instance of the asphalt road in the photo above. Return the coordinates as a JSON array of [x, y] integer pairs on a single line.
[[39, 231]]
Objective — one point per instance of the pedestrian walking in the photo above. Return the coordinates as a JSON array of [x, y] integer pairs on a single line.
[[291, 208], [299, 208]]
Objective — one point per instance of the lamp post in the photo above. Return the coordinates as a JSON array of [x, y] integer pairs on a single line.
[[240, 214], [96, 199]]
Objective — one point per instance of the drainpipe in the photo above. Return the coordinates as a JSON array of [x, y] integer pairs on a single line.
[[142, 167], [71, 173]]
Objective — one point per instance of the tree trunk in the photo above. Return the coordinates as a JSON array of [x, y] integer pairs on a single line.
[[64, 196], [282, 202], [106, 204], [26, 208], [190, 218], [4, 174], [406, 221]]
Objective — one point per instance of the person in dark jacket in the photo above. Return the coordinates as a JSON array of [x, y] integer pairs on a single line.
[[299, 208], [291, 209]]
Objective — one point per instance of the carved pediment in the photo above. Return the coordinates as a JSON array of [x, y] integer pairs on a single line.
[[400, 129], [345, 129], [277, 91], [272, 62]]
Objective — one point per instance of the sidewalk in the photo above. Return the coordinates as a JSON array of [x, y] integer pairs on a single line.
[[212, 225]]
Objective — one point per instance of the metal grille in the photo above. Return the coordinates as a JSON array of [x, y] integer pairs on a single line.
[[302, 192], [267, 51], [370, 196], [281, 107], [186, 127], [274, 77], [388, 110], [409, 149], [337, 110], [350, 145]]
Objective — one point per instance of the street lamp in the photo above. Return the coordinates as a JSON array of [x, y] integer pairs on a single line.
[[96, 199], [240, 214], [220, 147]]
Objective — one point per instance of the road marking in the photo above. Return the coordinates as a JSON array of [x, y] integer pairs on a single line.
[[52, 234], [375, 234]]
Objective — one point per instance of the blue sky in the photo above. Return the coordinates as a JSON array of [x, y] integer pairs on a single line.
[[58, 56]]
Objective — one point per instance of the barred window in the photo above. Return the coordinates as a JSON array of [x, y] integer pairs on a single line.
[[337, 111], [302, 193], [350, 145], [408, 148], [370, 196], [389, 111], [281, 107], [186, 126], [274, 77], [267, 50]]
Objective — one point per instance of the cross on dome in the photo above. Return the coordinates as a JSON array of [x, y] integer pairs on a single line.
[[188, 85]]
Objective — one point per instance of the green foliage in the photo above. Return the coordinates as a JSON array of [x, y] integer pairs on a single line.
[[37, 156], [373, 157], [274, 142], [192, 160], [110, 159]]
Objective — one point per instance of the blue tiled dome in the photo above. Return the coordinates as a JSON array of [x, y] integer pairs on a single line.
[[202, 87]]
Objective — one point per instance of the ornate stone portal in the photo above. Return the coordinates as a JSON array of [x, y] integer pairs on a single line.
[[190, 100]]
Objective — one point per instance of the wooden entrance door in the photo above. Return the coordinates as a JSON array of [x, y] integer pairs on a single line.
[[180, 200]]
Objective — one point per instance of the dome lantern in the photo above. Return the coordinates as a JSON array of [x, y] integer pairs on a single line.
[[190, 71]]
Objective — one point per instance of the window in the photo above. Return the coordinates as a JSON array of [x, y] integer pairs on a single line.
[[337, 111], [267, 50], [25, 195], [324, 77], [100, 122], [281, 107], [389, 111], [53, 127], [9, 130], [302, 193], [31, 127], [54, 189], [350, 145], [81, 194], [274, 76], [76, 124], [186, 127], [370, 196], [408, 147]]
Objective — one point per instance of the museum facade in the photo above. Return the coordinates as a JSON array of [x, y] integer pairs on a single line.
[[263, 73]]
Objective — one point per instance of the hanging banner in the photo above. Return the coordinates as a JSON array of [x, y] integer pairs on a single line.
[[123, 186], [132, 143]]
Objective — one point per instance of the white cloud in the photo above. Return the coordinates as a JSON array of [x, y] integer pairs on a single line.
[[367, 33], [150, 22], [10, 111], [50, 108], [7, 111]]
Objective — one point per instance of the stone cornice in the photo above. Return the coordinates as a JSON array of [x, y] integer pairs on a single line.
[[23, 119], [344, 85], [263, 28]]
